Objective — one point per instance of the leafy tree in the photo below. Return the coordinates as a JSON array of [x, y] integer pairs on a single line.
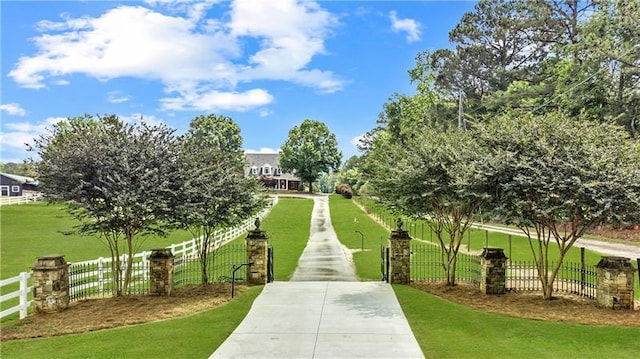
[[555, 177], [310, 150], [214, 192], [432, 176], [26, 168], [117, 178]]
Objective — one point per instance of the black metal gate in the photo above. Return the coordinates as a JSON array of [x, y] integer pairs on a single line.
[[384, 263], [270, 277]]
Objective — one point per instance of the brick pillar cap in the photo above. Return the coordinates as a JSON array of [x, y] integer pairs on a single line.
[[161, 253], [50, 262], [400, 234], [257, 234]]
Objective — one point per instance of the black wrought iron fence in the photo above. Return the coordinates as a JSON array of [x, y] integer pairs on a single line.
[[426, 265], [572, 278], [187, 269]]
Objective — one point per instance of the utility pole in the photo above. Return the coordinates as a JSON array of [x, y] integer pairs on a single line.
[[461, 124]]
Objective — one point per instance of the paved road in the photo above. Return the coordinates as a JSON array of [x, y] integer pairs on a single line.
[[606, 248], [323, 312], [324, 258]]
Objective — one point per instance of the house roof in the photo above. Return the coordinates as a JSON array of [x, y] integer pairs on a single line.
[[21, 179], [261, 159]]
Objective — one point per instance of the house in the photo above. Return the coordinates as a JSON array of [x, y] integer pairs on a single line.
[[266, 166], [14, 185]]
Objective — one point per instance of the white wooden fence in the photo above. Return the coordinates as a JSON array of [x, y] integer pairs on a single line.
[[100, 276], [22, 293], [30, 198]]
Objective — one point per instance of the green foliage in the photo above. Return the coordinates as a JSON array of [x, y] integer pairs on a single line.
[[214, 192], [559, 177], [310, 150], [118, 179], [432, 175], [26, 168]]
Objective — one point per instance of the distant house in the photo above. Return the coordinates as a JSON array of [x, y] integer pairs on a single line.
[[266, 166], [14, 185]]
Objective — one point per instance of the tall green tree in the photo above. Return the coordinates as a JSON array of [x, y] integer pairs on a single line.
[[555, 177], [214, 191], [432, 176], [310, 150], [118, 179]]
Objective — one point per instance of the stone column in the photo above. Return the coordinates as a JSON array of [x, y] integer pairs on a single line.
[[399, 256], [257, 255], [161, 276], [493, 271], [50, 284], [615, 283]]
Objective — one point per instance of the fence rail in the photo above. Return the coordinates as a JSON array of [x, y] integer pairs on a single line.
[[94, 278], [22, 294], [6, 201], [426, 265]]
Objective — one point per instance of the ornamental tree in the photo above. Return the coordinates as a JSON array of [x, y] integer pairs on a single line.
[[310, 150], [555, 177], [214, 191], [117, 178], [431, 175]]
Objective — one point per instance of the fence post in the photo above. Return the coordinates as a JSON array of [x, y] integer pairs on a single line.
[[615, 283], [399, 256], [24, 292], [582, 271], [493, 271], [161, 278], [50, 284], [100, 275], [257, 270]]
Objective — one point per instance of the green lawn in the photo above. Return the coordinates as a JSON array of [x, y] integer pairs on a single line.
[[32, 230], [347, 218], [195, 336], [448, 330], [288, 228]]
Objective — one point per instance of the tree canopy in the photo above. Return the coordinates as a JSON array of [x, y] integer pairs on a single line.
[[310, 150]]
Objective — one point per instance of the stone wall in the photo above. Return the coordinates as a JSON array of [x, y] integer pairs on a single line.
[[257, 257]]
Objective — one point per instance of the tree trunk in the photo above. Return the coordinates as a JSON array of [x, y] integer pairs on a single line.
[[310, 186]]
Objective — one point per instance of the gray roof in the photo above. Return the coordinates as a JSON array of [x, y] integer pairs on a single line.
[[21, 179], [258, 160]]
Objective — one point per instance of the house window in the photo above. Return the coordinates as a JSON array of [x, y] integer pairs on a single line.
[[254, 170], [266, 170], [15, 189], [278, 172]]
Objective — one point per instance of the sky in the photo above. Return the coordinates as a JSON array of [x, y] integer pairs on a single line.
[[268, 64]]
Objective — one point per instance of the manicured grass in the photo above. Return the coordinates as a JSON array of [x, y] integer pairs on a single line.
[[196, 336], [448, 330], [288, 228], [32, 230], [347, 218]]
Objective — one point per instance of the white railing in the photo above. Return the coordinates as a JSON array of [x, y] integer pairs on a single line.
[[22, 293], [102, 273], [30, 198]]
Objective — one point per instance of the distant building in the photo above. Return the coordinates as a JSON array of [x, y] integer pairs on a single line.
[[14, 185], [266, 166]]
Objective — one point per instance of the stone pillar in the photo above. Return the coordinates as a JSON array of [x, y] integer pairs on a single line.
[[493, 271], [257, 255], [399, 256], [615, 283], [161, 276], [50, 284]]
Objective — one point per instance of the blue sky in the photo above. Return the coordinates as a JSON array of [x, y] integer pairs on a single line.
[[267, 64]]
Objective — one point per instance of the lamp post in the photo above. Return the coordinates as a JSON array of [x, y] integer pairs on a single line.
[[362, 240]]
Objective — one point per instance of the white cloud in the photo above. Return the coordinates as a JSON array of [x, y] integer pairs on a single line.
[[410, 26], [199, 60], [356, 141], [265, 150], [117, 97], [21, 133], [139, 117], [214, 100], [264, 112], [13, 109]]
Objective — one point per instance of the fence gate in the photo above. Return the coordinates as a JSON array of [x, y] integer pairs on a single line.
[[270, 277], [384, 263]]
